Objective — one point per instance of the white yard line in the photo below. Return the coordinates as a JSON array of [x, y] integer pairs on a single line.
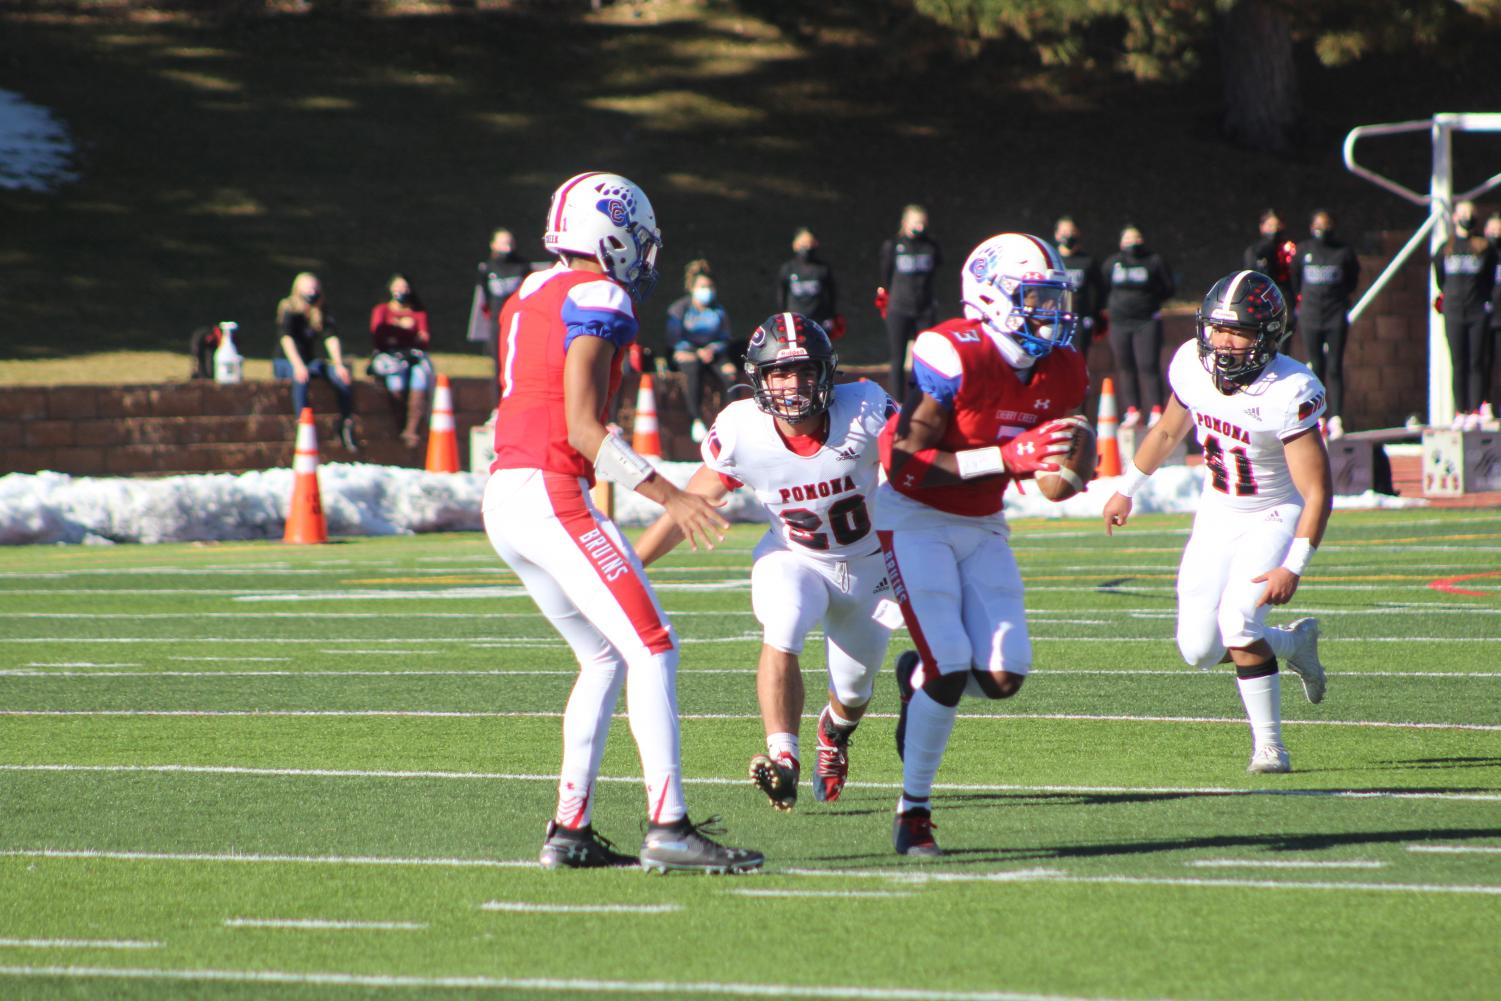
[[1457, 849], [525, 907], [77, 943], [1249, 863], [323, 924], [913, 875], [829, 894], [41, 670], [571, 986], [237, 857], [1079, 790], [553, 641], [728, 717]]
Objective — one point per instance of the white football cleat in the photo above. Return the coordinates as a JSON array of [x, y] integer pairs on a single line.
[[698, 432], [1132, 418], [1270, 759], [1304, 660]]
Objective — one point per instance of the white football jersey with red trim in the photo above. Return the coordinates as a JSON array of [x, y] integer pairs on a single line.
[[1242, 434], [819, 503]]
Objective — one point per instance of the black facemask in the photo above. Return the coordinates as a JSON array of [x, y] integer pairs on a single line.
[[1068, 242], [402, 298], [313, 297]]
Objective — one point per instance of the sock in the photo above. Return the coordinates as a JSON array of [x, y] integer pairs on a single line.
[[905, 804], [778, 744], [1262, 696], [586, 724], [928, 727], [1281, 640], [836, 725], [651, 706]]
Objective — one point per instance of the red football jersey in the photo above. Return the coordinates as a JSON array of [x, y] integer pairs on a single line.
[[536, 326], [958, 364]]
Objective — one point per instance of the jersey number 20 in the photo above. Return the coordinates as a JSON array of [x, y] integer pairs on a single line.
[[849, 521]]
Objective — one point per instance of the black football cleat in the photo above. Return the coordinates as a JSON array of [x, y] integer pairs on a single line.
[[687, 847], [584, 848], [912, 834], [777, 778]]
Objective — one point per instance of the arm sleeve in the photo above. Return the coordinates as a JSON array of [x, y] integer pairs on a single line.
[[599, 309]]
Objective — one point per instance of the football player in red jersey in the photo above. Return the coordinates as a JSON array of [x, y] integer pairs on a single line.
[[562, 335], [988, 394]]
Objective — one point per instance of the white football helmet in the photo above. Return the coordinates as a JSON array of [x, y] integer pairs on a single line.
[[608, 218], [1017, 286]]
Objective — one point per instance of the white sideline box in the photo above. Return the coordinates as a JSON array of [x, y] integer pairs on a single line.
[[481, 447], [1460, 462]]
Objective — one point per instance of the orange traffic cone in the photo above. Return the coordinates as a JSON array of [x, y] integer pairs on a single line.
[[645, 437], [442, 440], [1110, 449], [305, 521]]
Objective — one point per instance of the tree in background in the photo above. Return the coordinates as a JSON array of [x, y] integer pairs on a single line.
[[1169, 40]]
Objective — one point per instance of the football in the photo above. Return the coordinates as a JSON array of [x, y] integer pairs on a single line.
[[1076, 468]]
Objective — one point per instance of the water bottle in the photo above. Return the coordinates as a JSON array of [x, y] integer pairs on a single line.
[[229, 366]]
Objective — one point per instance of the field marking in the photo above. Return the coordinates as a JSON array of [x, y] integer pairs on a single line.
[[1233, 863], [526, 907], [324, 924], [77, 943], [1457, 849], [129, 856], [352, 773], [917, 876], [834, 894], [723, 717], [576, 986], [1413, 608], [748, 636]]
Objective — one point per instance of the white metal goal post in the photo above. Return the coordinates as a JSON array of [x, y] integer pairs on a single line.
[[1439, 204]]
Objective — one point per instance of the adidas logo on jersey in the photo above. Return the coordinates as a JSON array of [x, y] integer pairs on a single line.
[[882, 587], [851, 454], [1254, 413]]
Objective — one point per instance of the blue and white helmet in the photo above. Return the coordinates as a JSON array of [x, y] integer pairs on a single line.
[[608, 218], [1017, 286]]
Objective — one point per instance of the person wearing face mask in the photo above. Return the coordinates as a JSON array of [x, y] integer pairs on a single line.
[[1137, 282], [1487, 408], [905, 294], [805, 285], [1272, 254], [304, 322], [698, 329], [1325, 272], [399, 339], [1084, 272], [1465, 270]]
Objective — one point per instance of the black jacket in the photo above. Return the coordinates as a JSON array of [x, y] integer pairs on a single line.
[[499, 277], [1325, 273], [806, 286], [1137, 285], [1266, 256], [907, 267], [1089, 284], [1466, 273]]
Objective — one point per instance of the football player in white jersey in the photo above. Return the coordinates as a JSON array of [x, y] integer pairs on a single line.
[[1265, 504], [808, 449]]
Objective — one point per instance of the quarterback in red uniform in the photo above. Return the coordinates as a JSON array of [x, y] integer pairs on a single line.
[[562, 335], [986, 406]]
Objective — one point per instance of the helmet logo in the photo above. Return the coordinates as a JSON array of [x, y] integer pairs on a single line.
[[1225, 314], [794, 351], [615, 209]]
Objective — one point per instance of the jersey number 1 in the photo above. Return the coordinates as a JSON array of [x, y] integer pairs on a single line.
[[849, 520], [1245, 476]]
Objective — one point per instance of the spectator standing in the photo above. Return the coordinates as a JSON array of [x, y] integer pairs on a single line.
[[905, 294], [1488, 412], [1325, 272], [1138, 282], [1272, 254], [499, 276], [304, 323], [698, 330], [1466, 272], [806, 284], [399, 339], [1084, 271]]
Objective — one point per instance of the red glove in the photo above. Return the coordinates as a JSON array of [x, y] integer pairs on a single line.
[[1438, 303], [882, 301], [836, 327], [1034, 450]]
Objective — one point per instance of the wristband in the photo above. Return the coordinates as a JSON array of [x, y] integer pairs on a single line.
[[1131, 480], [1299, 555], [976, 462], [619, 463]]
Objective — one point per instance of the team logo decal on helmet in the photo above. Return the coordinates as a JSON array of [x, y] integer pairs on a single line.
[[607, 218], [1249, 303], [786, 340], [1017, 286]]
